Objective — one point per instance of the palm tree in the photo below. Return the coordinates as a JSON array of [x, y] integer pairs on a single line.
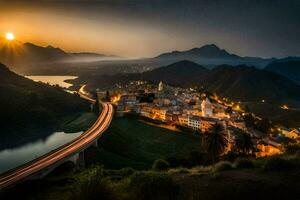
[[243, 142], [216, 141]]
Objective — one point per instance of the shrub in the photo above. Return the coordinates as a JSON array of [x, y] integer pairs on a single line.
[[243, 163], [126, 171], [160, 165], [178, 171], [222, 166], [152, 185], [278, 164], [92, 184]]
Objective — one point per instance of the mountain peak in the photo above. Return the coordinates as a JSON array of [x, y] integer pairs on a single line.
[[210, 46]]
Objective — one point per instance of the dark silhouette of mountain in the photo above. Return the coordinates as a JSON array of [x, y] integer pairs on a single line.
[[29, 57], [177, 73], [240, 82], [289, 68], [211, 55], [27, 105], [251, 84]]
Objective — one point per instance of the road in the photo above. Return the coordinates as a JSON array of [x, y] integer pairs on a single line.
[[83, 94], [82, 142]]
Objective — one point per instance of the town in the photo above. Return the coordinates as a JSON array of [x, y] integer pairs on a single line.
[[197, 111]]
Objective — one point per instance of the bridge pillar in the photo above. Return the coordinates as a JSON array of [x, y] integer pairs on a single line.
[[95, 143], [78, 160]]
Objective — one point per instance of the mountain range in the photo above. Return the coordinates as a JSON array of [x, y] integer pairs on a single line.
[[27, 57], [289, 68], [241, 83], [211, 55]]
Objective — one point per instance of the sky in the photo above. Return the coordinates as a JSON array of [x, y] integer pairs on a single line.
[[146, 28]]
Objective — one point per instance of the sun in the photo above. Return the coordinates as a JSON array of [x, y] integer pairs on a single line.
[[9, 36]]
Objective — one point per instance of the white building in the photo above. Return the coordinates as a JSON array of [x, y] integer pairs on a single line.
[[194, 122], [206, 108], [160, 86]]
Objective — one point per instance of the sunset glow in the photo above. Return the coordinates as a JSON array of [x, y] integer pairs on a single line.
[[9, 36]]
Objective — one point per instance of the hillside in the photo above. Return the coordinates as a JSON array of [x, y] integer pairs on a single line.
[[250, 84], [27, 106], [289, 69], [182, 73], [241, 82]]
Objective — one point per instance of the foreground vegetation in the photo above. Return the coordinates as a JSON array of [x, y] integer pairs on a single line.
[[265, 178], [136, 161]]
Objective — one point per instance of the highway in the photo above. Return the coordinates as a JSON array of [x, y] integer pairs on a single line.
[[79, 144], [85, 95]]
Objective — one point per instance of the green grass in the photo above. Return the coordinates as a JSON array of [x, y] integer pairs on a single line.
[[131, 143], [83, 122]]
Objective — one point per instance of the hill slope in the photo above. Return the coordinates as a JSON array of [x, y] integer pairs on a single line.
[[177, 73], [241, 82], [27, 105], [289, 69], [251, 84]]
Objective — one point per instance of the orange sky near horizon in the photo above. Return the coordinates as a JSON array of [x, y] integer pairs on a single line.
[[76, 34], [143, 28]]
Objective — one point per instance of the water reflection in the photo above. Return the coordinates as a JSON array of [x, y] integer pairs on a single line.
[[54, 80], [11, 158]]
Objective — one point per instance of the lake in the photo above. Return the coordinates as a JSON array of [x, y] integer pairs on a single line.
[[14, 157], [54, 80]]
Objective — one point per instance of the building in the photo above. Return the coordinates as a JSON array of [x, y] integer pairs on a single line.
[[238, 123], [146, 111], [159, 113], [293, 134], [183, 120], [206, 108], [206, 123], [194, 122], [127, 102], [266, 149], [160, 86]]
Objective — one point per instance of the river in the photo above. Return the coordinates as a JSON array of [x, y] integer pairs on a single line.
[[11, 158], [54, 80]]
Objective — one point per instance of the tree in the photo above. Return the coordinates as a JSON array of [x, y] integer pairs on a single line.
[[216, 141], [263, 125], [249, 120], [228, 110], [243, 142]]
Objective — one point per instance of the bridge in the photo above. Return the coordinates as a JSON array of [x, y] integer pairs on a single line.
[[72, 151]]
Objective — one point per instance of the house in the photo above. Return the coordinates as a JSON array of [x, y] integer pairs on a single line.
[[146, 111], [194, 122], [206, 108], [183, 120], [266, 149], [293, 134], [238, 123], [159, 113], [206, 123]]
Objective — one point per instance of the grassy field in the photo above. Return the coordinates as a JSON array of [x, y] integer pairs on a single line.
[[132, 143], [83, 122]]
